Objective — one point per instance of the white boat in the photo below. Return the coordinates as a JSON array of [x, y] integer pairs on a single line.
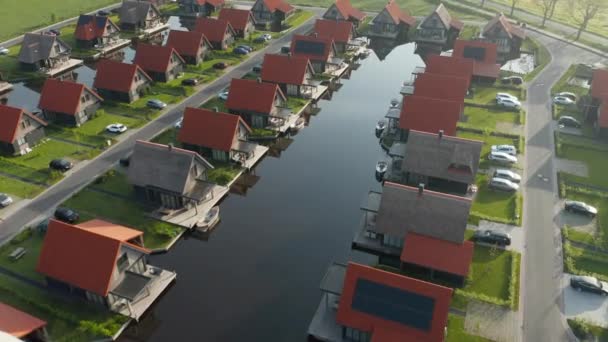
[[380, 126], [210, 220], [298, 125], [381, 167]]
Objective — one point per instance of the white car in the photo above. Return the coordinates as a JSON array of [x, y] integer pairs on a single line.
[[116, 128], [178, 123], [562, 100], [223, 95], [508, 149], [503, 184], [5, 200], [3, 51], [508, 175], [571, 96], [508, 103], [502, 157], [506, 96]]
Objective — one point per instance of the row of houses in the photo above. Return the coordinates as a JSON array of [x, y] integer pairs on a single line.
[[597, 110]]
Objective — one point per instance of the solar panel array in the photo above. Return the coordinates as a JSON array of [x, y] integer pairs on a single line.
[[393, 304], [312, 48], [476, 53]]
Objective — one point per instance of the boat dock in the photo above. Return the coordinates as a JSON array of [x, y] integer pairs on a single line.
[[63, 67]]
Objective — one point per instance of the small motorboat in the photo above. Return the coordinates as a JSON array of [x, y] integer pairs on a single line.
[[364, 54], [380, 126], [381, 168], [298, 125], [211, 219]]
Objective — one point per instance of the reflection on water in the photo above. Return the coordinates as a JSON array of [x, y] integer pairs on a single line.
[[257, 277], [24, 96]]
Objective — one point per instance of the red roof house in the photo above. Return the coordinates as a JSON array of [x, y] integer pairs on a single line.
[[190, 45], [437, 254], [204, 7], [291, 73], [94, 30], [340, 31], [441, 86], [599, 84], [392, 22], [484, 54], [242, 20], [120, 81], [344, 10], [319, 50], [20, 324], [507, 36], [438, 30], [68, 102], [19, 130], [430, 115], [453, 66], [255, 101], [272, 12], [161, 63], [220, 33], [392, 307]]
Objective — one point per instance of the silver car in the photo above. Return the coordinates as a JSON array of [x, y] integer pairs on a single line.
[[5, 200], [502, 184], [507, 174], [502, 157]]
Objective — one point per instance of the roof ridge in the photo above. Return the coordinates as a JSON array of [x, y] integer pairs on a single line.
[[434, 193]]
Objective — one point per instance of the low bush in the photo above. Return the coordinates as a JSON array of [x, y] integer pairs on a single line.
[[580, 328], [26, 234]]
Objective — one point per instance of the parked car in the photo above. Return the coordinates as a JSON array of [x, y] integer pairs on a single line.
[[502, 157], [512, 80], [571, 96], [579, 207], [506, 96], [66, 215], [285, 49], [125, 161], [509, 149], [220, 65], [562, 100], [240, 51], [267, 36], [494, 237], [509, 103], [103, 13], [54, 32], [190, 82], [502, 184], [155, 103], [223, 95], [569, 121], [507, 174], [116, 128], [178, 123], [3, 50], [61, 164], [259, 40], [245, 47], [5, 200], [589, 284], [257, 68]]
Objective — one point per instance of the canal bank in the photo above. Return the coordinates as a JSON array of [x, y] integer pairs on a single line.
[[257, 276]]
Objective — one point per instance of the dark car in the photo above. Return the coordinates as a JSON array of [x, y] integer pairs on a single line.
[[190, 82], [245, 47], [55, 32], [103, 13], [220, 65], [492, 237], [580, 208], [60, 164], [257, 68], [589, 284], [66, 215], [569, 121], [240, 51], [125, 161], [259, 40]]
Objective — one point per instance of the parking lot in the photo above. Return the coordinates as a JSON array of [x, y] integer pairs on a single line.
[[588, 306]]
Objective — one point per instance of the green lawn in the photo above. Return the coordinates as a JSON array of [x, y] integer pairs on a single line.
[[223, 173], [298, 18], [43, 153], [8, 166], [18, 188], [26, 265], [487, 118], [588, 262], [594, 158], [497, 204], [66, 320], [456, 332], [215, 102], [296, 103], [488, 140], [585, 330], [9, 65], [486, 95], [138, 109], [600, 237], [166, 137], [469, 32], [490, 269], [115, 182], [122, 211]]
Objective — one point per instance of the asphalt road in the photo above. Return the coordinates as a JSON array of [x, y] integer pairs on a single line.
[[44, 204], [541, 294]]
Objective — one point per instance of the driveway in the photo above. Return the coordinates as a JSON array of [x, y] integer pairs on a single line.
[[588, 306], [517, 234], [576, 221]]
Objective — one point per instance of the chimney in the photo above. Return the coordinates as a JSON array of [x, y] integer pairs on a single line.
[[259, 80], [170, 146], [440, 133], [315, 35], [215, 109], [420, 189], [289, 55]]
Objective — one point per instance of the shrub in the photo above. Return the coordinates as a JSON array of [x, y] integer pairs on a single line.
[[23, 236], [580, 328], [164, 230]]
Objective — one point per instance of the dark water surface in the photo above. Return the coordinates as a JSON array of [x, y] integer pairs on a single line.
[[257, 277]]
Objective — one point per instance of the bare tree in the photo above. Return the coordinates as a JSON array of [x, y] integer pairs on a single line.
[[513, 4], [585, 10], [545, 8], [553, 4]]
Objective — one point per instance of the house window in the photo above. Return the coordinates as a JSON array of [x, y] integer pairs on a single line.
[[392, 241], [123, 262], [22, 124], [136, 78], [87, 97], [372, 235], [83, 99], [57, 48], [20, 141], [352, 334]]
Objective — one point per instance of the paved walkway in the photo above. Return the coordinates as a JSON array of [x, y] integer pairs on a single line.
[[575, 167], [494, 322]]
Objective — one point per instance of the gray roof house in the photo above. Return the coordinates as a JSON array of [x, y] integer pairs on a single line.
[[443, 163], [42, 51], [167, 176], [138, 15]]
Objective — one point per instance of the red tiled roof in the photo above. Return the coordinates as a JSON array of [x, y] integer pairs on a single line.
[[483, 68], [599, 84], [63, 96], [328, 45], [155, 57], [84, 255], [18, 323], [10, 117], [510, 29], [214, 29], [398, 15], [216, 130], [462, 67], [91, 26], [430, 115], [390, 331], [285, 69], [438, 254], [486, 70], [186, 43], [602, 119], [116, 76], [250, 95], [339, 31], [441, 86], [347, 10], [238, 18], [280, 5]]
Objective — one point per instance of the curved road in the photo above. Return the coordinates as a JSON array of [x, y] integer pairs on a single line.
[[542, 268]]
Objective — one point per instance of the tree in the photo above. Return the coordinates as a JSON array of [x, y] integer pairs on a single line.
[[513, 4], [546, 7], [553, 4], [585, 10]]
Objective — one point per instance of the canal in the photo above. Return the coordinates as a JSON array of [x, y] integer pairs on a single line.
[[257, 277]]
